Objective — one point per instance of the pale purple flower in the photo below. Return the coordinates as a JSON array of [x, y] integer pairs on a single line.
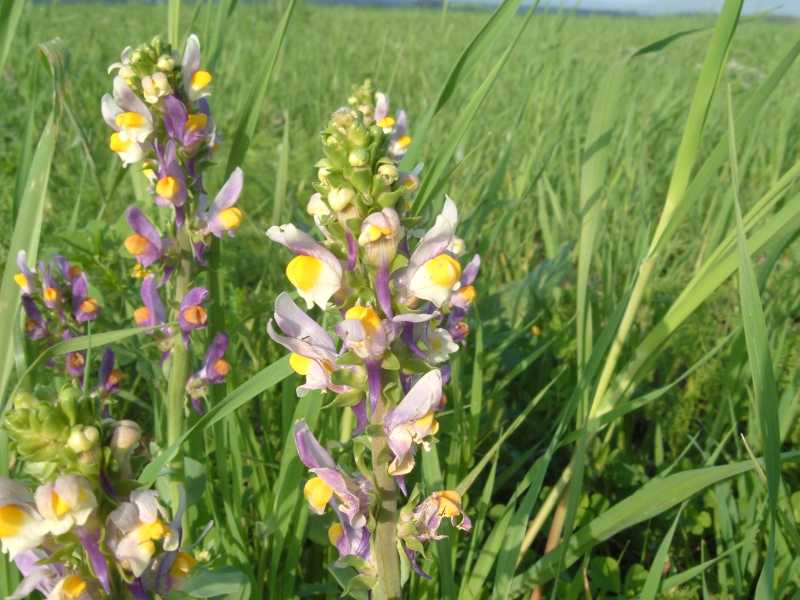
[[412, 421], [145, 243], [84, 307], [35, 326], [192, 315], [26, 278], [152, 313], [170, 185], [223, 217]]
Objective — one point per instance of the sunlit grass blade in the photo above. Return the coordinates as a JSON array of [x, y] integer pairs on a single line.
[[10, 14], [652, 499], [653, 581], [258, 383]]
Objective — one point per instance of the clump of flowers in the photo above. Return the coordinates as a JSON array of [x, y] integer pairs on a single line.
[[74, 521], [57, 305], [161, 119], [399, 295]]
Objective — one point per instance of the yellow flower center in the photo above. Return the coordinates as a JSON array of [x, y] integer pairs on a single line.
[[76, 360], [467, 293], [21, 280], [303, 271], [200, 80], [136, 244], [183, 564], [427, 424], [404, 141], [129, 120], [118, 144], [196, 315], [147, 532], [141, 315], [299, 364], [335, 533], [449, 503], [230, 218], [444, 270], [222, 366], [386, 122], [60, 507], [89, 306], [115, 377], [368, 317], [11, 519], [374, 232], [50, 294], [196, 121], [73, 586], [168, 187], [318, 493]]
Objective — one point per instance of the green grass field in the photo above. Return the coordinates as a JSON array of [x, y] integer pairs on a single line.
[[594, 351]]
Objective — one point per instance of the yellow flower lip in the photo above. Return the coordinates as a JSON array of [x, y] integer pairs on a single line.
[[468, 293], [196, 315], [73, 586], [335, 533], [230, 218], [386, 122], [60, 507], [11, 519], [136, 244], [118, 144], [367, 315], [89, 306], [449, 503], [168, 187], [299, 364], [147, 532], [141, 315], [21, 280], [444, 270], [129, 120], [184, 563], [318, 493], [404, 141], [222, 366], [201, 80], [196, 121], [50, 294], [304, 271]]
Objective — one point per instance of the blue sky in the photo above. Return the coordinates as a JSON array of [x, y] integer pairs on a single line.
[[784, 7]]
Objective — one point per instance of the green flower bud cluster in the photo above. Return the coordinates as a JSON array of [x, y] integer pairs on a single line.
[[357, 176], [363, 100], [55, 434]]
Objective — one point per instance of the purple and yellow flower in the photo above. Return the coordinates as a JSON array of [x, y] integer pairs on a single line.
[[26, 278], [66, 503], [74, 587], [313, 353], [21, 526], [74, 362], [134, 528], [196, 81], [152, 313], [363, 332], [430, 513], [145, 244], [130, 119], [223, 217], [380, 235], [192, 315], [35, 326], [109, 378], [214, 370], [401, 140], [170, 183], [51, 291], [412, 421], [315, 272], [186, 129], [84, 307], [432, 273], [349, 540], [330, 485]]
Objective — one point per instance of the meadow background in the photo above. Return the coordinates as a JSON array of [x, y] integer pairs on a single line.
[[560, 176]]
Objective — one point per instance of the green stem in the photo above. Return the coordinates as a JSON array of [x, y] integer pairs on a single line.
[[178, 376], [386, 557]]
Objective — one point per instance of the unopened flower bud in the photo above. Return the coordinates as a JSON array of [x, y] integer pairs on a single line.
[[316, 206], [126, 435], [82, 439], [127, 73], [165, 63], [339, 198], [358, 157], [322, 174], [388, 173], [136, 56], [24, 400]]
